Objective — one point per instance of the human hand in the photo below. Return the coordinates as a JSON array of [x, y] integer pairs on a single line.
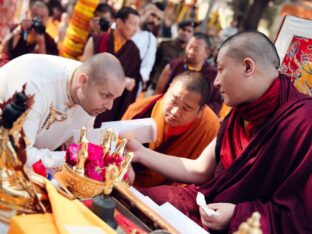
[[134, 146], [131, 175], [26, 24], [220, 221], [130, 83], [39, 38]]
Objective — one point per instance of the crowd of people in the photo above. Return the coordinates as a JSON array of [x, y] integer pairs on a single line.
[[258, 157]]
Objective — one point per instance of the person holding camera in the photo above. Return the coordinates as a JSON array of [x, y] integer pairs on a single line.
[[118, 42], [31, 36], [103, 18]]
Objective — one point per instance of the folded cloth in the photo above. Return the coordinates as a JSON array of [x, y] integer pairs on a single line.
[[65, 213]]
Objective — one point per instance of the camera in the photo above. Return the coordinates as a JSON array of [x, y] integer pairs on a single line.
[[38, 26], [104, 24]]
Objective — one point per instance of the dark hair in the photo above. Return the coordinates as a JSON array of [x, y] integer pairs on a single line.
[[54, 4], [160, 6], [104, 8], [204, 37], [124, 13], [252, 44], [194, 82], [186, 23]]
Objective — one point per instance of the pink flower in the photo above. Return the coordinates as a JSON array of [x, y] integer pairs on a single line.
[[71, 156], [95, 152], [95, 164], [116, 160], [94, 170]]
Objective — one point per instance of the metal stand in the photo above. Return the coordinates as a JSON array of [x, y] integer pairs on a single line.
[[104, 207]]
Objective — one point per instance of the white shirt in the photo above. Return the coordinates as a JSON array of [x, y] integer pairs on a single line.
[[47, 78], [147, 44]]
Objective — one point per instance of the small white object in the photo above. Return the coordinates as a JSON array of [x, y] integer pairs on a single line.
[[144, 130], [200, 200], [172, 215], [83, 229]]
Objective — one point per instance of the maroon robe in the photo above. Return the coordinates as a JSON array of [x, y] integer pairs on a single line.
[[271, 176], [177, 66], [129, 57], [23, 48]]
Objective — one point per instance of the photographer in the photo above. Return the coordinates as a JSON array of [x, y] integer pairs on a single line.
[[30, 35], [103, 18]]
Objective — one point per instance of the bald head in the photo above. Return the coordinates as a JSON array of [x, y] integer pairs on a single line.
[[254, 45], [194, 82], [102, 65]]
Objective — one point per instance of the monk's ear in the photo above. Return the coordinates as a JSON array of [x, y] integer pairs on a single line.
[[200, 112], [249, 65], [83, 79], [118, 22], [208, 52]]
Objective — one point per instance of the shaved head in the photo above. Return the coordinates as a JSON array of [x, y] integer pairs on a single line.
[[97, 83], [194, 82], [254, 45], [100, 66]]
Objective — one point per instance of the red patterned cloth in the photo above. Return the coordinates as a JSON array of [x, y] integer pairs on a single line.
[[297, 64], [39, 168]]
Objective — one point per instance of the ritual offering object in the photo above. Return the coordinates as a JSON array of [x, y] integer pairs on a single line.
[[21, 191], [90, 169]]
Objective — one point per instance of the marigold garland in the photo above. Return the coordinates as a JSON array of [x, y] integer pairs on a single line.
[[78, 29]]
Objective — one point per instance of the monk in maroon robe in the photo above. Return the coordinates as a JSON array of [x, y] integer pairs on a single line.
[[30, 35], [262, 157], [197, 52], [119, 44], [177, 66], [182, 118]]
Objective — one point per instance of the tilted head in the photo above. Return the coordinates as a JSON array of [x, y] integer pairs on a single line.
[[127, 22], [97, 82], [247, 65], [197, 49], [152, 15], [185, 98], [186, 30], [105, 11]]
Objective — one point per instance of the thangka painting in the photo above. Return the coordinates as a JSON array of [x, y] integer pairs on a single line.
[[294, 46]]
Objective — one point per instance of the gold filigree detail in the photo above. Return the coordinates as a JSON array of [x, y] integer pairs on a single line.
[[54, 116]]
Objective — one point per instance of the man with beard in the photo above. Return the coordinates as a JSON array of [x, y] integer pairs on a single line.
[[151, 17], [171, 49], [196, 53], [67, 94]]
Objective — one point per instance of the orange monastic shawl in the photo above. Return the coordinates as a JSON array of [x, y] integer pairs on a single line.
[[188, 144]]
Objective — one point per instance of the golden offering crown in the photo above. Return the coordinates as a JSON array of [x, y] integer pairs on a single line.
[[74, 178]]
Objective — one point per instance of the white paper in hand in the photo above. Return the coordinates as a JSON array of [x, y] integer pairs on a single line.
[[144, 130], [201, 201]]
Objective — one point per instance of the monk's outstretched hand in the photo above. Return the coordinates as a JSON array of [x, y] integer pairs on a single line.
[[221, 219], [136, 147]]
